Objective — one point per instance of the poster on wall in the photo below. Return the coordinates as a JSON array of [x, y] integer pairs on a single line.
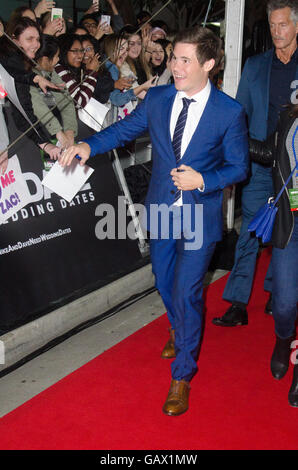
[[14, 192], [50, 249]]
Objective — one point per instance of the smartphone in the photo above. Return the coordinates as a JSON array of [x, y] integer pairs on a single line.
[[56, 13], [105, 19], [96, 2]]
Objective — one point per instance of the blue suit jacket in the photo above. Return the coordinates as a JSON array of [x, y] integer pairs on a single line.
[[253, 92], [218, 149]]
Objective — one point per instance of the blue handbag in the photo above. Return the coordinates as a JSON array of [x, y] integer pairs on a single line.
[[263, 222]]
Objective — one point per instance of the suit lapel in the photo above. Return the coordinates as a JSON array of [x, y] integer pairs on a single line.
[[166, 107], [263, 80], [203, 125], [202, 128]]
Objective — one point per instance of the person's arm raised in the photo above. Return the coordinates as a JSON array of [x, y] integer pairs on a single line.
[[43, 83], [138, 90], [43, 6], [113, 6]]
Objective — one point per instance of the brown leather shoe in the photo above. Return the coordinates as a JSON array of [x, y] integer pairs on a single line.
[[169, 349], [177, 401]]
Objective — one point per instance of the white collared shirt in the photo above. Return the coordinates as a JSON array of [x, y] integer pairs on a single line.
[[195, 112]]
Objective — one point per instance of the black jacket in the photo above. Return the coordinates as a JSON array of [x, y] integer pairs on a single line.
[[104, 86], [15, 66], [274, 152]]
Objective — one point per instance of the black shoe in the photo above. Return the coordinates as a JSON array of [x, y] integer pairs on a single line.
[[268, 306], [281, 357], [293, 393], [234, 316]]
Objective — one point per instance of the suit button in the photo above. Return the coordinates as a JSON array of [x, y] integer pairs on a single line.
[[172, 191]]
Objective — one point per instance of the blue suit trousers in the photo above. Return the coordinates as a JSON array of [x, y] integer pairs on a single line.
[[255, 194], [179, 275]]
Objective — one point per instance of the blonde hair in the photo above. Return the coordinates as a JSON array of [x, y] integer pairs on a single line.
[[112, 47]]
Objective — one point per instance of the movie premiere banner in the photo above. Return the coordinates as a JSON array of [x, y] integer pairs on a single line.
[[50, 251], [14, 193]]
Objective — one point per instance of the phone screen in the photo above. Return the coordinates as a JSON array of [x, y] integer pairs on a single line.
[[105, 19], [56, 13]]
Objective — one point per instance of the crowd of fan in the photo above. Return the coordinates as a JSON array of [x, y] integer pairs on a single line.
[[53, 60]]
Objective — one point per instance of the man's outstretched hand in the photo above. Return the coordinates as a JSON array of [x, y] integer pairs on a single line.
[[81, 150]]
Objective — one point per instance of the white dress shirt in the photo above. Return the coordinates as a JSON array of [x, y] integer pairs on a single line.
[[195, 112]]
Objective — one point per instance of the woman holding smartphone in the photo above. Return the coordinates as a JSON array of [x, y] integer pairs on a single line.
[[79, 80], [105, 84]]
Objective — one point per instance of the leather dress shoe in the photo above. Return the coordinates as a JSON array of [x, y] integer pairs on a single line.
[[268, 306], [234, 316], [168, 351], [281, 357], [293, 393], [177, 400]]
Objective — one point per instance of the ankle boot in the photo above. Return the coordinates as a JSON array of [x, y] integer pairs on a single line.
[[280, 357], [293, 393]]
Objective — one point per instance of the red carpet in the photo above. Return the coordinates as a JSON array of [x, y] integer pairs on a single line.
[[115, 401]]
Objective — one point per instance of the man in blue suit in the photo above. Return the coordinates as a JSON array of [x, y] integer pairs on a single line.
[[266, 86], [199, 146]]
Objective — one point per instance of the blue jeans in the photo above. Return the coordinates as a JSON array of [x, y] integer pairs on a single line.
[[285, 286], [254, 195]]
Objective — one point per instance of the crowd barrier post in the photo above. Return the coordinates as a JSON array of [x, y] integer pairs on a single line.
[[234, 19], [139, 232]]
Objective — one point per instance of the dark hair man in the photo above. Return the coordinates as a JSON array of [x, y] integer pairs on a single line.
[[199, 146]]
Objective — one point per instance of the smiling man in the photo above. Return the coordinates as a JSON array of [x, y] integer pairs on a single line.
[[199, 146]]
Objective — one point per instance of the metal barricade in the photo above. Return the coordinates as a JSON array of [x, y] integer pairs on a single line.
[[119, 172]]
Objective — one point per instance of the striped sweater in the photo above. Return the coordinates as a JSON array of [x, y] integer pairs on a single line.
[[80, 91]]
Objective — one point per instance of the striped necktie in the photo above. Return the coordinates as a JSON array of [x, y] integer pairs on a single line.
[[178, 133]]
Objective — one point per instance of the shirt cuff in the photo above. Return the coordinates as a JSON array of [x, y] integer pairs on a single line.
[[203, 188]]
